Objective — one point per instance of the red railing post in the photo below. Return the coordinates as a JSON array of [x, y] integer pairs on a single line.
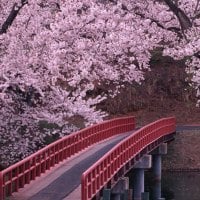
[[52, 154], [117, 157]]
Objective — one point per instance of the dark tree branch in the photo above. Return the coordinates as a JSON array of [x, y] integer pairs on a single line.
[[196, 7], [172, 29], [13, 14], [197, 54], [196, 14], [184, 20]]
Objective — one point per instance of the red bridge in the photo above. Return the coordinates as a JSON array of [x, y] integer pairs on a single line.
[[94, 159]]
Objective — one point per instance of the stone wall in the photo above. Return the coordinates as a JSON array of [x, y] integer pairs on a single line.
[[184, 152]]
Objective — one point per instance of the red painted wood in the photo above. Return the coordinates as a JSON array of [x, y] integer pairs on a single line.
[[105, 168], [21, 173]]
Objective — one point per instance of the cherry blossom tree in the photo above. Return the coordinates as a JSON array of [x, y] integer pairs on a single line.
[[55, 53]]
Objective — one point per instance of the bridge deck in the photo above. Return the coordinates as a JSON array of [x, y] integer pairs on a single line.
[[64, 179]]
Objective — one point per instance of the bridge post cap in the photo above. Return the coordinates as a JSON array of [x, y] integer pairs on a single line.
[[144, 163], [122, 184], [161, 150]]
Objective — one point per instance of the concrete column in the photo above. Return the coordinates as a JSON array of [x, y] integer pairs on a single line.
[[138, 186], [157, 170], [145, 196], [106, 194], [120, 189], [138, 183], [157, 166]]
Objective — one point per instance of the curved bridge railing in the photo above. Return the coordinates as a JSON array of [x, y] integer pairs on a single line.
[[21, 173], [99, 175]]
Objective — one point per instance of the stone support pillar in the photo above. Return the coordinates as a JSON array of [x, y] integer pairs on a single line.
[[106, 194], [138, 183], [145, 196], [157, 170], [120, 190]]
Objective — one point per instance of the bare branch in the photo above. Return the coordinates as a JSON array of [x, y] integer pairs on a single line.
[[173, 29], [13, 14], [184, 20], [196, 8], [196, 14]]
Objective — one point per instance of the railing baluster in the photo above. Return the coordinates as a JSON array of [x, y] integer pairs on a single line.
[[37, 163], [122, 153]]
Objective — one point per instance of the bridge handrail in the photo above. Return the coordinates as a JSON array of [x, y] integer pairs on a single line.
[[22, 172], [99, 174]]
